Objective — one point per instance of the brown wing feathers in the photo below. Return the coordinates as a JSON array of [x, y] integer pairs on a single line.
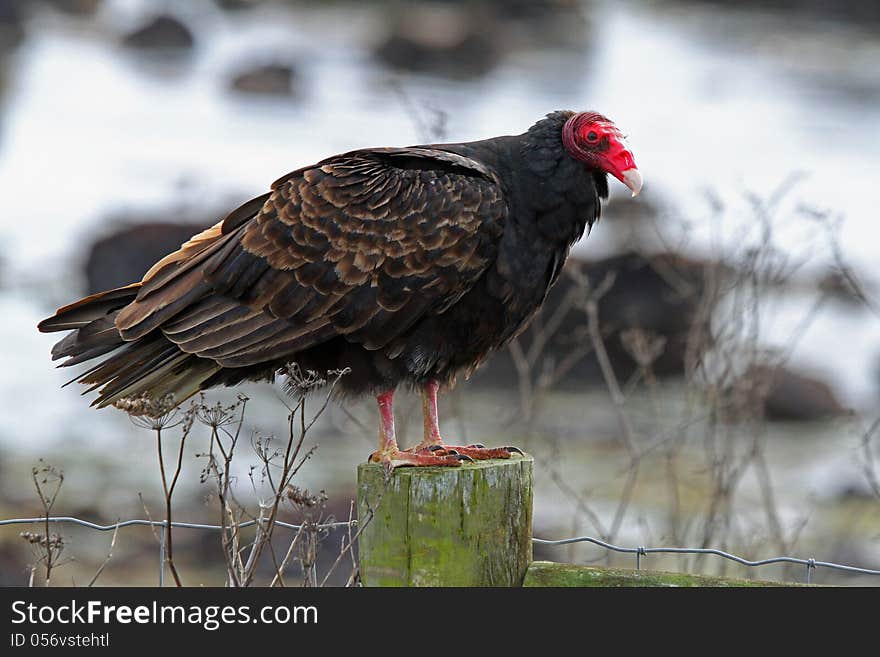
[[361, 245]]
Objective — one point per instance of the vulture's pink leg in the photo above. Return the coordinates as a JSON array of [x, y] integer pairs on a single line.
[[429, 413], [433, 441], [390, 455]]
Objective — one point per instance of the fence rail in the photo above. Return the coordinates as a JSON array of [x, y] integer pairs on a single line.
[[639, 551]]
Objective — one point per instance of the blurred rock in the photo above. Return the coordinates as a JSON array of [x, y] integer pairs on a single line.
[[849, 11], [546, 25], [855, 490], [646, 315], [12, 19], [842, 287], [125, 256], [781, 394], [164, 32], [468, 39], [658, 295], [75, 7], [441, 39], [528, 9], [235, 5], [269, 80]]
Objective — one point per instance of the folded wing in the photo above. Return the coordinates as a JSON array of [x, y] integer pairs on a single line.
[[361, 245]]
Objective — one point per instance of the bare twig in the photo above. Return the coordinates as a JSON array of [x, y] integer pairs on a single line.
[[107, 559], [47, 483]]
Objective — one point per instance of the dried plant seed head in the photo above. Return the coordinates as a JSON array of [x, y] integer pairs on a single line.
[[298, 382], [645, 347], [216, 415], [302, 497], [149, 412]]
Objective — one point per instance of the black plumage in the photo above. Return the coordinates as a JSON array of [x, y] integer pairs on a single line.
[[406, 265]]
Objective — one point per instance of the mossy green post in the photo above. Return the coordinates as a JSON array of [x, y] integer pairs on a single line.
[[465, 526]]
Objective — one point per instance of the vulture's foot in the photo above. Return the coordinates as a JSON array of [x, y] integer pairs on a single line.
[[397, 458], [477, 452]]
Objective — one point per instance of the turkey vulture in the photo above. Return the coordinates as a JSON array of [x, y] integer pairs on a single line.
[[405, 265]]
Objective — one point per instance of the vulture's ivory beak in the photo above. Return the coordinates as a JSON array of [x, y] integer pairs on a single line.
[[632, 179]]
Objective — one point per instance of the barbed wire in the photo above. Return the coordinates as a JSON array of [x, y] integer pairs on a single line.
[[639, 551], [162, 523]]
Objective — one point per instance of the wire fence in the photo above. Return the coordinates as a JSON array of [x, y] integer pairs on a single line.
[[640, 551]]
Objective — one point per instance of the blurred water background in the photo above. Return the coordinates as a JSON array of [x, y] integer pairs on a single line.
[[107, 123]]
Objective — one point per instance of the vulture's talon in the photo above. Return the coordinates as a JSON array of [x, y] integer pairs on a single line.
[[473, 452], [388, 470], [463, 457]]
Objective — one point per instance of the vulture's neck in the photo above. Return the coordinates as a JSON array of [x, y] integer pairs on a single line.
[[564, 193], [551, 195]]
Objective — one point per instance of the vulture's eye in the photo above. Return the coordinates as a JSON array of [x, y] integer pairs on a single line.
[[592, 136]]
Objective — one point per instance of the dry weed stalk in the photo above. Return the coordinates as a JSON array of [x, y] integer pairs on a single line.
[[722, 411], [271, 480], [47, 546], [160, 415]]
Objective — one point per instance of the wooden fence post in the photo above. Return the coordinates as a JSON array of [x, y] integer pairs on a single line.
[[465, 526]]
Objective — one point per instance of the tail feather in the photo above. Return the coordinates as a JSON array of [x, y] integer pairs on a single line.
[[134, 358], [90, 341], [151, 365], [87, 310], [144, 380], [88, 354], [181, 377]]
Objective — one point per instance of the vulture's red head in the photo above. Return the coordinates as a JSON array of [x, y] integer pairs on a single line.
[[594, 140]]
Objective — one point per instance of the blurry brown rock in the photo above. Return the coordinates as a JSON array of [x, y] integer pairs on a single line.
[[468, 39], [842, 286], [780, 394], [12, 29], [235, 5], [645, 318], [163, 32], [855, 489], [857, 11], [268, 80], [75, 7], [125, 255], [442, 39]]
